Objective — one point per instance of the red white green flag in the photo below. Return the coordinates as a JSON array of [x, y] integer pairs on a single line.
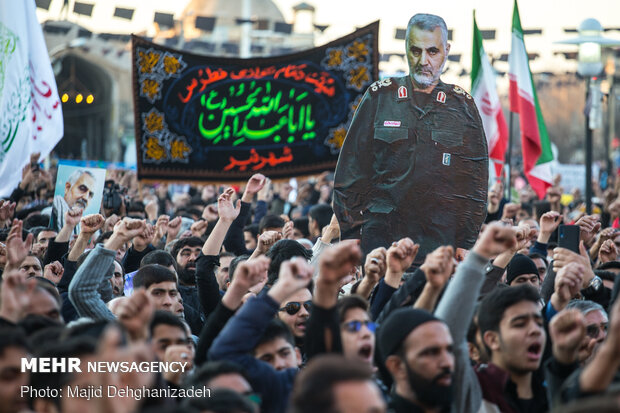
[[535, 144], [484, 91]]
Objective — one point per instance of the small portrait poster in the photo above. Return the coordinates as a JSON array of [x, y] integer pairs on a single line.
[[76, 186]]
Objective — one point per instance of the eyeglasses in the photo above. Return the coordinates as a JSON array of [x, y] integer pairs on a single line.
[[293, 307], [355, 326], [593, 330]]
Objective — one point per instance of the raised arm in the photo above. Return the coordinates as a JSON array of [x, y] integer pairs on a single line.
[[83, 288], [206, 283], [437, 267], [323, 334], [16, 248], [456, 307], [234, 238]]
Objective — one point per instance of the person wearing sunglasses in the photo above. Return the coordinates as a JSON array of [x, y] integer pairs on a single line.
[[295, 312], [241, 338], [596, 327], [357, 331]]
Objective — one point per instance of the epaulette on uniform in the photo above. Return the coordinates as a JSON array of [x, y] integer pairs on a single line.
[[457, 90], [382, 85]]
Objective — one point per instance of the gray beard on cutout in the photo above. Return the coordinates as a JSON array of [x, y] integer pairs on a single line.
[[426, 81]]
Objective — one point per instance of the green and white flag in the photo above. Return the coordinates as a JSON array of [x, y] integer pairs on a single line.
[[30, 110]]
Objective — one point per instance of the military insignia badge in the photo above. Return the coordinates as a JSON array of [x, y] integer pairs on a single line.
[[446, 159], [459, 90], [441, 97], [380, 83], [402, 92]]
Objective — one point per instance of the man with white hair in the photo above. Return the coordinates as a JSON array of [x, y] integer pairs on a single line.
[[415, 159], [79, 190]]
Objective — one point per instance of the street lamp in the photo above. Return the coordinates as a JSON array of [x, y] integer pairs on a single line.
[[590, 41]]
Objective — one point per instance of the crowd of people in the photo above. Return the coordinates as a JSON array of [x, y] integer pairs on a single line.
[[252, 290]]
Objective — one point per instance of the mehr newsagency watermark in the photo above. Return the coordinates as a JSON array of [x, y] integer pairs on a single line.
[[97, 392], [75, 365]]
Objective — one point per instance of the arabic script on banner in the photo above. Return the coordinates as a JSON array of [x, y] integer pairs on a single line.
[[210, 118]]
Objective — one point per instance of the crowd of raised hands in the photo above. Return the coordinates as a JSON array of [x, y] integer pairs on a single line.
[[253, 290]]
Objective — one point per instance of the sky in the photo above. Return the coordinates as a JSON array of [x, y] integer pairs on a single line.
[[343, 16]]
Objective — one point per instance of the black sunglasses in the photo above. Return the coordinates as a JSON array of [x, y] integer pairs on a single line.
[[355, 326], [293, 307], [593, 330]]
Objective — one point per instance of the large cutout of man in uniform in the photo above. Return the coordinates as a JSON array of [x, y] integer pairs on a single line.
[[415, 160]]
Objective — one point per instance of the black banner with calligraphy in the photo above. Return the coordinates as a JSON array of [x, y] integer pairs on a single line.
[[221, 119]]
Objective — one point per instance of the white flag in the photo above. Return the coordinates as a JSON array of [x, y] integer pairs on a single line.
[[30, 110]]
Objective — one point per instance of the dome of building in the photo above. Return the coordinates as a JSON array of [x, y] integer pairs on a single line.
[[226, 12]]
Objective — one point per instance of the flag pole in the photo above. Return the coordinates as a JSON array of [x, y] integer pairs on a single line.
[[508, 172]]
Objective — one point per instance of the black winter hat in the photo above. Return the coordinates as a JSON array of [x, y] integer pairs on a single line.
[[520, 264], [397, 327]]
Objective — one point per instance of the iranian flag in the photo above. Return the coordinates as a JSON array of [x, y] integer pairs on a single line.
[[535, 144], [30, 110], [484, 91]]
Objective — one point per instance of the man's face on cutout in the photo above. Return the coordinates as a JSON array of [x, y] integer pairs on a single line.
[[81, 192], [426, 55]]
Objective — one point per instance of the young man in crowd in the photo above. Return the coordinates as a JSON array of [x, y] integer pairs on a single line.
[[511, 325], [170, 342]]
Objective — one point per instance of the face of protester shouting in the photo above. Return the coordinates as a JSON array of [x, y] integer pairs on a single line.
[[424, 369], [358, 335], [164, 295], [186, 263], [426, 54], [518, 345], [295, 312], [81, 192]]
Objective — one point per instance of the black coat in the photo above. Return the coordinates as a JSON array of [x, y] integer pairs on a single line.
[[413, 166]]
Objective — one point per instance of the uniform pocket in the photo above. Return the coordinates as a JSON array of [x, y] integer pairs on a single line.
[[389, 134], [447, 138], [393, 151]]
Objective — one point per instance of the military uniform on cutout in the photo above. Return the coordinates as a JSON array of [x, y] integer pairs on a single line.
[[413, 166]]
